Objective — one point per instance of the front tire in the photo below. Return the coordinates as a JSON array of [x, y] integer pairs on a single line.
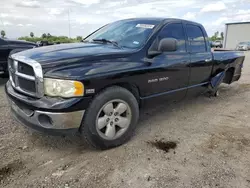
[[111, 118]]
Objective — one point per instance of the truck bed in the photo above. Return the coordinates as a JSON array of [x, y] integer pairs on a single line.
[[229, 60]]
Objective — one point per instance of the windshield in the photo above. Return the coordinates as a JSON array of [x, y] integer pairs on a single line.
[[126, 33]]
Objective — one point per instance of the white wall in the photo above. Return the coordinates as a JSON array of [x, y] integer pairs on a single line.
[[236, 33]]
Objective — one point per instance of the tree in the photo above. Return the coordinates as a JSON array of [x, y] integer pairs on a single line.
[[216, 34], [31, 34], [44, 35], [52, 39], [3, 33], [79, 38], [222, 35], [49, 35]]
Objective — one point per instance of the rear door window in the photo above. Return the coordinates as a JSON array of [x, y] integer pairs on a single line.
[[196, 39]]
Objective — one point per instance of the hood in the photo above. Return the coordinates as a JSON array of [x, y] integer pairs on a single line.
[[22, 42], [70, 52]]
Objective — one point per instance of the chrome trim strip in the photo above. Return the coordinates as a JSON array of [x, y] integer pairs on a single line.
[[25, 92], [16, 65], [11, 80], [28, 77], [172, 91], [63, 120], [37, 70]]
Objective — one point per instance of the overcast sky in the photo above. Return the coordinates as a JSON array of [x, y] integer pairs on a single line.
[[20, 17]]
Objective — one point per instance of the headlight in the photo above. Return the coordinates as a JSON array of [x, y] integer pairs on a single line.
[[63, 88]]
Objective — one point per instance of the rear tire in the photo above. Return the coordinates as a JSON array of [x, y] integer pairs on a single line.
[[111, 118]]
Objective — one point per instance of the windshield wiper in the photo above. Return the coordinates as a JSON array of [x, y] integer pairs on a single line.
[[85, 41], [107, 41]]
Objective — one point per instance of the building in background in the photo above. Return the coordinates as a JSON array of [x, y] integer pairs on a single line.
[[236, 33]]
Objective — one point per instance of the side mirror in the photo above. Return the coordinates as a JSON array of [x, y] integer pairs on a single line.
[[167, 45]]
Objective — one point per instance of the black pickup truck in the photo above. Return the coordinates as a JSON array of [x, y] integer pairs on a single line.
[[96, 87], [8, 47]]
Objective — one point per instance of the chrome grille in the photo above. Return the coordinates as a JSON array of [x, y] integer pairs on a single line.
[[26, 75], [25, 69]]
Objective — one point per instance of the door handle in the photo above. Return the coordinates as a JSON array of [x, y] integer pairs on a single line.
[[208, 60]]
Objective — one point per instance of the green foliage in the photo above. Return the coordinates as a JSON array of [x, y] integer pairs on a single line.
[[217, 37], [213, 38], [51, 39], [3, 33], [79, 38], [44, 35]]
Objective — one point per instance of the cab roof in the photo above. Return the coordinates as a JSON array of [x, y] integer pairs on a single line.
[[163, 20]]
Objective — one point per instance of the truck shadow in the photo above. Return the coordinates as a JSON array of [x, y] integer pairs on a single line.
[[159, 108], [154, 112]]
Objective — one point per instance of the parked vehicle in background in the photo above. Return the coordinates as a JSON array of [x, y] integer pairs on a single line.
[[44, 43], [217, 44], [95, 87], [244, 46], [8, 47]]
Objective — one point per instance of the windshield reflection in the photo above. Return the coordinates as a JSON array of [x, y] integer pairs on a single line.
[[126, 33]]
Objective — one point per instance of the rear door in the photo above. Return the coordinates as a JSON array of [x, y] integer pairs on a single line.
[[201, 55]]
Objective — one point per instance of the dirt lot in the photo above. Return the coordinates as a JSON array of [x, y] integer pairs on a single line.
[[209, 137]]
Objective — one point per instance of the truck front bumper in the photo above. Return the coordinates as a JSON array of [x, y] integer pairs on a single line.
[[48, 122], [47, 115]]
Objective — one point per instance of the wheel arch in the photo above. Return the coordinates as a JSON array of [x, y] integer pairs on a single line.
[[134, 89], [229, 75]]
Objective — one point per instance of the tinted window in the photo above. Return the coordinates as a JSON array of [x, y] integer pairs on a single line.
[[196, 38], [174, 31]]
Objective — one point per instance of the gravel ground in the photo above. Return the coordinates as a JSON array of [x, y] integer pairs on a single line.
[[208, 141]]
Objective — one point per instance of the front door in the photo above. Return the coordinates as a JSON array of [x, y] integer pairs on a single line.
[[171, 75]]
